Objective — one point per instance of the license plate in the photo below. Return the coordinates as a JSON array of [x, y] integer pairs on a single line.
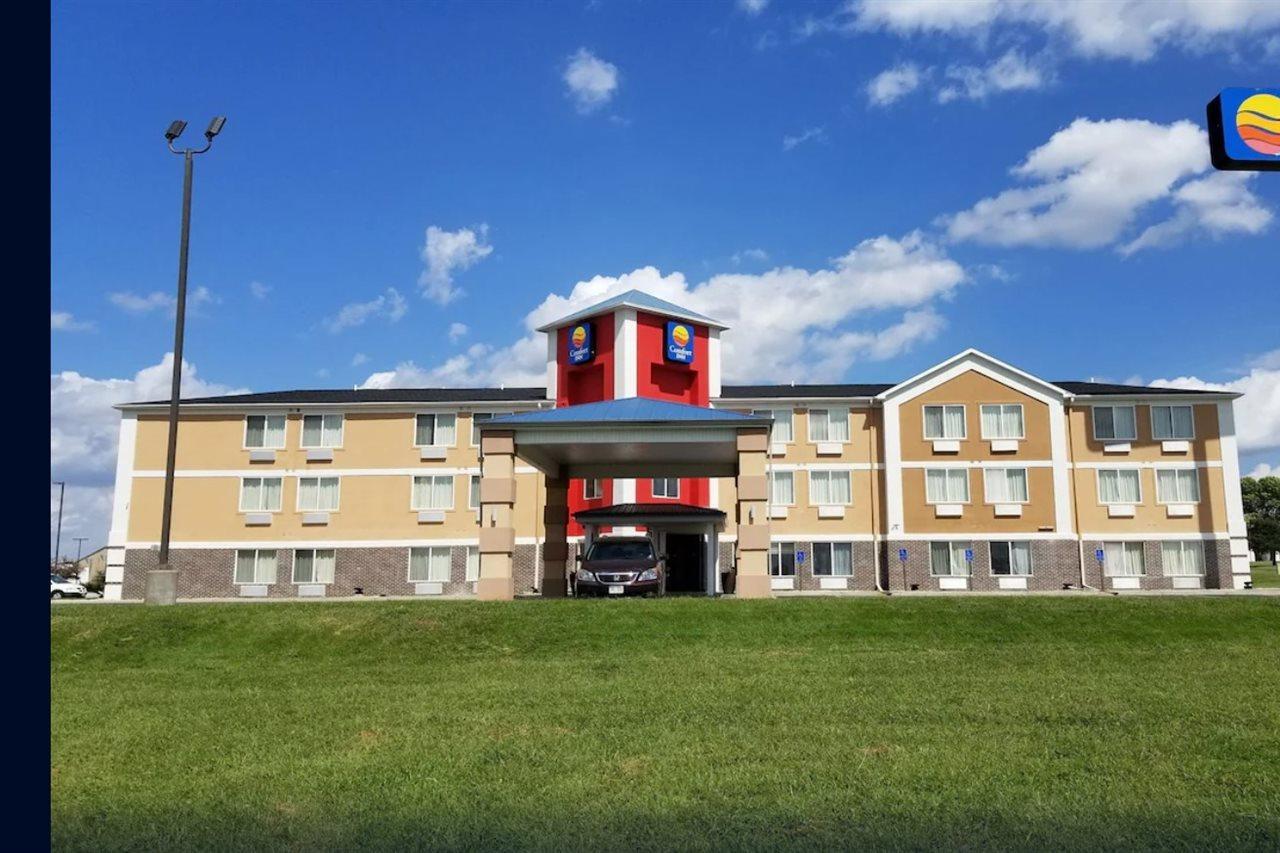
[[616, 589]]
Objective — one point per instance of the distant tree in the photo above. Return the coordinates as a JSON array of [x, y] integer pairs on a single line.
[[1264, 537], [1261, 496]]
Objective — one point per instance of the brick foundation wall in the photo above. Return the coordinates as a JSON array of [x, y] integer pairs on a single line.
[[1054, 563], [1217, 566]]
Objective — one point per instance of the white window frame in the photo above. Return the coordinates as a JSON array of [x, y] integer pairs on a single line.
[[968, 486], [448, 549], [1182, 469], [982, 422], [1171, 406], [848, 474], [792, 475], [297, 498], [790, 418], [1124, 549], [775, 558], [831, 546], [293, 570], [986, 484], [342, 431], [968, 564], [475, 432], [1093, 416], [1183, 544], [473, 478], [453, 485], [1098, 484], [243, 508], [1009, 543], [826, 413], [284, 432], [666, 481], [598, 494], [435, 416], [473, 558], [235, 563], [924, 422]]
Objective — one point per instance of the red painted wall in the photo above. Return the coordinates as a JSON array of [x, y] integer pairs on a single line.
[[586, 383], [660, 379]]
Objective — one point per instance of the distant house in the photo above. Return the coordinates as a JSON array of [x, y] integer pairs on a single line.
[[91, 565]]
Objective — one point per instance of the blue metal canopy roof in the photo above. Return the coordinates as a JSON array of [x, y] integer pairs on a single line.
[[636, 299], [628, 410]]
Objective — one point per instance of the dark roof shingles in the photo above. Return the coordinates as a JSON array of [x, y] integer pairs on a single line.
[[371, 395]]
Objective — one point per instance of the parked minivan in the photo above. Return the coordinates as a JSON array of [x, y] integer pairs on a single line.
[[620, 565]]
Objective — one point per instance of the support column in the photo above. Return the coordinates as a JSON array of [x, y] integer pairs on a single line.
[[753, 514], [555, 549], [497, 516]]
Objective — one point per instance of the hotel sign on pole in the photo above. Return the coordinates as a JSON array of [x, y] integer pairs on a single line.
[[582, 343], [1244, 130], [679, 342]]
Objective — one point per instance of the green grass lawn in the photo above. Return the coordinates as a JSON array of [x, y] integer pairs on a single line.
[[1264, 575], [1020, 723]]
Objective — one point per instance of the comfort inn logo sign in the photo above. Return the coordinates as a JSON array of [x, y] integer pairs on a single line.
[[581, 344], [679, 346]]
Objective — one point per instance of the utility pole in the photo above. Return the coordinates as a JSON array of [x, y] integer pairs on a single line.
[[80, 540], [57, 540]]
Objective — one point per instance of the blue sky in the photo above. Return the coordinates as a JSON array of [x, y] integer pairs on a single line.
[[745, 152]]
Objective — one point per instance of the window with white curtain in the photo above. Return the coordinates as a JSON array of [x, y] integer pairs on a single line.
[[833, 558], [254, 566], [782, 559], [473, 564], [430, 564], [433, 492], [1114, 423], [782, 488], [478, 418], [313, 565], [1010, 558], [666, 487], [318, 494], [1177, 485], [1123, 559], [1182, 559], [592, 489], [944, 422], [946, 485], [830, 488], [473, 492], [1005, 485], [828, 424], [1002, 420], [435, 430], [265, 432], [322, 430], [260, 494], [1172, 422], [1119, 486], [782, 430], [948, 558]]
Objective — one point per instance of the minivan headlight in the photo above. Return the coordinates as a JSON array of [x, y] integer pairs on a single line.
[[648, 575], [584, 575]]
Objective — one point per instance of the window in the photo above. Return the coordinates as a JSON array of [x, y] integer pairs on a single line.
[[1010, 558], [1119, 486], [1002, 420], [1005, 485], [478, 418], [666, 487], [260, 494], [1123, 559], [782, 430], [1172, 422], [621, 549], [433, 492], [828, 424], [437, 430], [948, 558], [322, 430], [592, 489], [833, 558], [782, 559], [944, 422], [264, 432], [1182, 559], [830, 488], [1114, 423], [313, 565], [255, 567], [1177, 486], [473, 492], [782, 488], [473, 564], [946, 485], [429, 565], [317, 494]]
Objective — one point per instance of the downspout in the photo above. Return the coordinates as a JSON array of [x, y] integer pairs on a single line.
[[874, 480], [1075, 501]]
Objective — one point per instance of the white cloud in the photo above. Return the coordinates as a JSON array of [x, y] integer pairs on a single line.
[[1012, 72], [1128, 29], [1267, 361], [1092, 179], [135, 303], [1264, 469], [63, 321], [592, 82], [448, 252], [390, 306], [758, 256], [895, 83], [810, 134], [457, 331], [1257, 412], [84, 430], [259, 290], [359, 359], [807, 312], [753, 7]]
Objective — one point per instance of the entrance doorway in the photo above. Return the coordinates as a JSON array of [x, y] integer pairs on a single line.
[[686, 563]]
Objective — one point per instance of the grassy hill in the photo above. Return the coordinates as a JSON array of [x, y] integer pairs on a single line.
[[1099, 722]]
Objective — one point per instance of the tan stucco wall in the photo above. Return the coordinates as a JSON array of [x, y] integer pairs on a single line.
[[979, 516], [1210, 515], [972, 389], [1205, 446]]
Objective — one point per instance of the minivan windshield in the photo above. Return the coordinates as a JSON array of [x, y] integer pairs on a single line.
[[624, 550]]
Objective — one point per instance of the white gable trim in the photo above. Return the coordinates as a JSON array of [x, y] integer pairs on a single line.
[[972, 359]]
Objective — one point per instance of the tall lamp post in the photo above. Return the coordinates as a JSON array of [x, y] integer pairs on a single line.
[[162, 581], [57, 539]]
